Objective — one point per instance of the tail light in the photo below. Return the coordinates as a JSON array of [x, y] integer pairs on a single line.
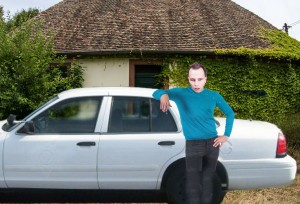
[[281, 146]]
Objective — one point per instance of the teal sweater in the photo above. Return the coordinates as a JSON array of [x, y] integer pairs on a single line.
[[197, 111]]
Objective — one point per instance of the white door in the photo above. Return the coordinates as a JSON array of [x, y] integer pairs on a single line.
[[140, 140], [62, 150]]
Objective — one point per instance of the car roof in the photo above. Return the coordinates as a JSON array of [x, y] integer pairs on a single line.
[[106, 91]]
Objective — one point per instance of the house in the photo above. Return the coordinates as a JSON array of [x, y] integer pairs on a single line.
[[115, 40]]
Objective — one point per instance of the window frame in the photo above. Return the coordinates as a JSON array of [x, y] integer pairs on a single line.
[[150, 117], [95, 120]]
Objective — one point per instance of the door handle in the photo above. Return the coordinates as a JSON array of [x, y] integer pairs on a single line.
[[166, 143], [86, 144]]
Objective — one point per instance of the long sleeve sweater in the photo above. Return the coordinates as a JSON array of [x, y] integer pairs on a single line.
[[197, 111]]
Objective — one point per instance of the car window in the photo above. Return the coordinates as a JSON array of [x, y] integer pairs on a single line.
[[76, 115], [162, 121], [137, 114], [41, 107]]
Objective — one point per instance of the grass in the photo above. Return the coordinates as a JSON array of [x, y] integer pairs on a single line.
[[289, 195]]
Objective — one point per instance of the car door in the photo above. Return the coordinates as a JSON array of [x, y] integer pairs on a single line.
[[136, 144], [61, 152]]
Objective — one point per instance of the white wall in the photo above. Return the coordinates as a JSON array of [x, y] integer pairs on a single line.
[[105, 72]]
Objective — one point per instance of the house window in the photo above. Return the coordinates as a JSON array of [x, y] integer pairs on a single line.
[[145, 74], [63, 68]]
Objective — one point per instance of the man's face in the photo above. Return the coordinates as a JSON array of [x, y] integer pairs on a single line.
[[197, 79]]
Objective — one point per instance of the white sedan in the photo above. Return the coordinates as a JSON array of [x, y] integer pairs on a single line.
[[117, 138]]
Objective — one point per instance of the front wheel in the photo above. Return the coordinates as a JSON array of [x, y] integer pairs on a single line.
[[175, 188]]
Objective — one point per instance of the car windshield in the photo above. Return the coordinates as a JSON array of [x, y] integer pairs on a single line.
[[8, 128]]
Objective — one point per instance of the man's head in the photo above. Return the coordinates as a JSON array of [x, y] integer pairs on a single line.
[[197, 77]]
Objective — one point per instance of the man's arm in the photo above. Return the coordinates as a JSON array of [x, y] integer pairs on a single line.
[[227, 110], [163, 96], [164, 102]]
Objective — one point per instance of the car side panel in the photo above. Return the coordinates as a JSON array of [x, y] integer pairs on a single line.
[[2, 138], [134, 161], [50, 161], [51, 157], [249, 140]]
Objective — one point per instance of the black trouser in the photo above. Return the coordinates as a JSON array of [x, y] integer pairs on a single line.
[[201, 162]]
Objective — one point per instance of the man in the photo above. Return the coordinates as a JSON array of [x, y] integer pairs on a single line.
[[196, 107]]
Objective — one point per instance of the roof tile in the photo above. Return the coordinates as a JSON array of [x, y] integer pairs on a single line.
[[156, 25]]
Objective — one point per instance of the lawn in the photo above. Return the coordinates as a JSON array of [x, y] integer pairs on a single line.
[[289, 195]]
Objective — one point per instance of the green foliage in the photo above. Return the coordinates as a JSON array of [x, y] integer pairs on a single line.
[[282, 43], [75, 77], [259, 84], [27, 75], [21, 17], [282, 48], [256, 89], [291, 128], [1, 14]]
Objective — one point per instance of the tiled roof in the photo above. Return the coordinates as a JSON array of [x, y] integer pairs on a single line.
[[152, 25]]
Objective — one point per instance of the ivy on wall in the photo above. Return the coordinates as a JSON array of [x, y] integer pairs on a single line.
[[282, 47], [258, 84]]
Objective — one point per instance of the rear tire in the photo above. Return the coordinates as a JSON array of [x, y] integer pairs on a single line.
[[218, 194], [175, 188]]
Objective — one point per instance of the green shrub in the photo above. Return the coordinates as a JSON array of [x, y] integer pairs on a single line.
[[27, 75], [290, 126]]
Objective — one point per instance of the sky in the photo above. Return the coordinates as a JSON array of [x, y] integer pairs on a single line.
[[276, 12]]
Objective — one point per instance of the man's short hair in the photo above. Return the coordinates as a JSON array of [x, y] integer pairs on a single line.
[[196, 66]]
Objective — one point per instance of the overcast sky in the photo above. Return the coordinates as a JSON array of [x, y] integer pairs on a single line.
[[276, 12]]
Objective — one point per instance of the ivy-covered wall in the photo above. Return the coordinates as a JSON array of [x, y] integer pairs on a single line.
[[261, 84], [255, 88]]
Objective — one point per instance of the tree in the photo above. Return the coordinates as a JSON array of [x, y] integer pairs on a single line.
[[27, 74], [21, 17]]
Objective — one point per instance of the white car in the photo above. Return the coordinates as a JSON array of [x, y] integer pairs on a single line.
[[117, 138]]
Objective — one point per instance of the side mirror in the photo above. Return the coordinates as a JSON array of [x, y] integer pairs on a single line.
[[11, 119], [10, 122], [28, 128]]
